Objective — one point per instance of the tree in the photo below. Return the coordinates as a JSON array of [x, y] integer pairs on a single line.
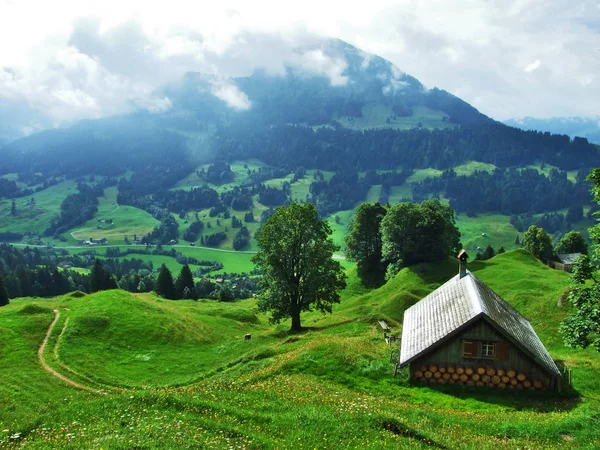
[[225, 294], [574, 213], [13, 208], [582, 327], [241, 239], [185, 280], [572, 242], [100, 278], [363, 242], [539, 243], [295, 257], [164, 284], [488, 253], [3, 293], [412, 233]]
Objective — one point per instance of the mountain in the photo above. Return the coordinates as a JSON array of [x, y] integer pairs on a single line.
[[18, 120], [243, 145], [587, 127]]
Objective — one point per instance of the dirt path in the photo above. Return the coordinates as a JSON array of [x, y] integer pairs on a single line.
[[53, 372]]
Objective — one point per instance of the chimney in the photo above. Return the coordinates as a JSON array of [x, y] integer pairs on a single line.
[[462, 258]]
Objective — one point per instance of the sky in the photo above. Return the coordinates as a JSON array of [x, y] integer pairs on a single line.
[[67, 60]]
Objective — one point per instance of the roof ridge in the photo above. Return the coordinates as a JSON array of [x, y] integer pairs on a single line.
[[476, 300]]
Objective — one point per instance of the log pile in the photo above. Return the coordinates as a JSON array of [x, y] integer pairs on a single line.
[[476, 376]]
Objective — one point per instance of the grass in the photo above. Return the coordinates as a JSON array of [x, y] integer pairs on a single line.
[[239, 169], [571, 174], [232, 261], [127, 221], [36, 218], [499, 232], [191, 380], [470, 167], [381, 116]]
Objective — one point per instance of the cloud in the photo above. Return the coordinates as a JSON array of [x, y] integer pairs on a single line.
[[74, 60], [316, 62], [532, 66], [231, 95]]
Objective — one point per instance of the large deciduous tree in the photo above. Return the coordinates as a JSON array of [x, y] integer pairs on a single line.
[[539, 243], [363, 243], [295, 257], [412, 233], [582, 327], [572, 242], [3, 293]]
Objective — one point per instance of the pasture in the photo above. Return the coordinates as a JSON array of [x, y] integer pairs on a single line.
[[179, 373]]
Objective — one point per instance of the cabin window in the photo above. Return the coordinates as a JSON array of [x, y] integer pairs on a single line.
[[488, 349]]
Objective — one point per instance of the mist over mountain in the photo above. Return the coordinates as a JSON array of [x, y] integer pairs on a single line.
[[328, 107], [328, 83], [587, 127]]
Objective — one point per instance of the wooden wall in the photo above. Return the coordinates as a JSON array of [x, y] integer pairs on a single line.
[[451, 354]]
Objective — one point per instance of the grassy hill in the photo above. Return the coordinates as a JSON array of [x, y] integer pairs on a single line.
[[180, 374]]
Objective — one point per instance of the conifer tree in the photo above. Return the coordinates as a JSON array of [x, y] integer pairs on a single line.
[[488, 253], [3, 293], [164, 284], [101, 278], [185, 280], [97, 276]]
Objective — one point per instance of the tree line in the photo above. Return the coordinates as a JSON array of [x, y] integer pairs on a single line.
[[506, 191], [337, 148]]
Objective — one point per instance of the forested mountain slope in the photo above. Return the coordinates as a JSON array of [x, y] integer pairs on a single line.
[[337, 127]]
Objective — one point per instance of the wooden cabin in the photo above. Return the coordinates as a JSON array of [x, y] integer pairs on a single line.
[[566, 261], [464, 333]]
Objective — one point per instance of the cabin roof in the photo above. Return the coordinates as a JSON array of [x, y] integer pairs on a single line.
[[569, 258], [457, 304]]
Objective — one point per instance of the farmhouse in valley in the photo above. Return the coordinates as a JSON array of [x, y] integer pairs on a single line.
[[464, 333]]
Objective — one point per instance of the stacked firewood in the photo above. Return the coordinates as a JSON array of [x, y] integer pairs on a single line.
[[476, 376]]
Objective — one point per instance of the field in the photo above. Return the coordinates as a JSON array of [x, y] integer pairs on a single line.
[[35, 217], [127, 221], [380, 116], [498, 230], [179, 374], [232, 261]]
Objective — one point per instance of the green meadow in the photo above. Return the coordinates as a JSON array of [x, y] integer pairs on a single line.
[[179, 374], [127, 221], [35, 217], [381, 116]]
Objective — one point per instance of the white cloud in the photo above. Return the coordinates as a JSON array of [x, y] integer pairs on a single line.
[[74, 59], [532, 66], [231, 95], [316, 62]]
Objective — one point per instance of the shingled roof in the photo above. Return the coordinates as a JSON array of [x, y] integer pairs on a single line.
[[457, 304], [569, 258]]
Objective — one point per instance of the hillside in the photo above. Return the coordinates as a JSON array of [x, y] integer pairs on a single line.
[[180, 373], [202, 176]]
